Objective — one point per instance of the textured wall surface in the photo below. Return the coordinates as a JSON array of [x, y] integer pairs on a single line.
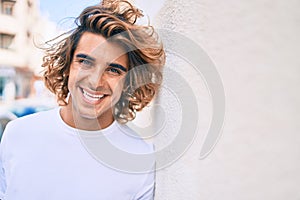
[[255, 46]]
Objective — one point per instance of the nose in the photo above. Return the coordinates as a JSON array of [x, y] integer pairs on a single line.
[[97, 77]]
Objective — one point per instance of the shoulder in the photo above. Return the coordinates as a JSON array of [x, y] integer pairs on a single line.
[[127, 139], [35, 118], [25, 125], [127, 145]]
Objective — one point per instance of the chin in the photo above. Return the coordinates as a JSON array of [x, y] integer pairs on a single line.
[[93, 115], [89, 116]]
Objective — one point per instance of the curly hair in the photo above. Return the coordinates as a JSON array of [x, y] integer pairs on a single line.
[[115, 20]]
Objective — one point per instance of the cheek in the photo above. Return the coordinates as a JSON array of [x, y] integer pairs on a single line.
[[71, 80], [118, 88], [74, 76]]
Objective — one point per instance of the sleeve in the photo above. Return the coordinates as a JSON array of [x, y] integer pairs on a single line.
[[2, 176], [2, 171], [148, 189], [2, 182]]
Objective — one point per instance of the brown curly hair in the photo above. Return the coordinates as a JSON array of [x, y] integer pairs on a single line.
[[115, 20]]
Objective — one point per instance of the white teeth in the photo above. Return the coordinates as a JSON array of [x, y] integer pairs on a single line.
[[91, 97]]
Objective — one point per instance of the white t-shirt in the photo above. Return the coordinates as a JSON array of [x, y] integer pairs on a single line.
[[42, 158]]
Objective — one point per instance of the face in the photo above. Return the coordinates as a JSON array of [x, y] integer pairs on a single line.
[[96, 78]]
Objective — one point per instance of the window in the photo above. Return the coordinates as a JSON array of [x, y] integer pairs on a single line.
[[8, 7], [29, 3], [28, 34], [6, 40], [2, 84]]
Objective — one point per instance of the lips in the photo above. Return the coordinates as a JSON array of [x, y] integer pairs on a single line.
[[92, 98]]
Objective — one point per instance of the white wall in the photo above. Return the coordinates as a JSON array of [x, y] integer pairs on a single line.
[[255, 46]]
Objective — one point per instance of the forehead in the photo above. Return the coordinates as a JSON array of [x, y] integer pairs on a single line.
[[98, 47]]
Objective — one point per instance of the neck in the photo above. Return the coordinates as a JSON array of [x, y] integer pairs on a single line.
[[75, 120]]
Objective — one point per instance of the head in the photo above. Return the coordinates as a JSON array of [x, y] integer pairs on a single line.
[[114, 21]]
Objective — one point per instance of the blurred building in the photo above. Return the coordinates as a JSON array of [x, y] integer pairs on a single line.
[[21, 29]]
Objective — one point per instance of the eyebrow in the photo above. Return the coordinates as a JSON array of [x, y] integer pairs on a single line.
[[81, 55], [116, 65], [121, 67]]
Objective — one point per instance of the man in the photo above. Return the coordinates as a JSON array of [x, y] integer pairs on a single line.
[[102, 73]]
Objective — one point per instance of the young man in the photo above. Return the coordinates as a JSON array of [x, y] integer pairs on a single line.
[[102, 73]]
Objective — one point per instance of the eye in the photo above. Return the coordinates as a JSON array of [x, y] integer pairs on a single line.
[[85, 63], [114, 71]]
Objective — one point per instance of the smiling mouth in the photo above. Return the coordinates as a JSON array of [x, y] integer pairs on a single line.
[[92, 98]]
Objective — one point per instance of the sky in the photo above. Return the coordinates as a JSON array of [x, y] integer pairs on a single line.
[[58, 10]]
